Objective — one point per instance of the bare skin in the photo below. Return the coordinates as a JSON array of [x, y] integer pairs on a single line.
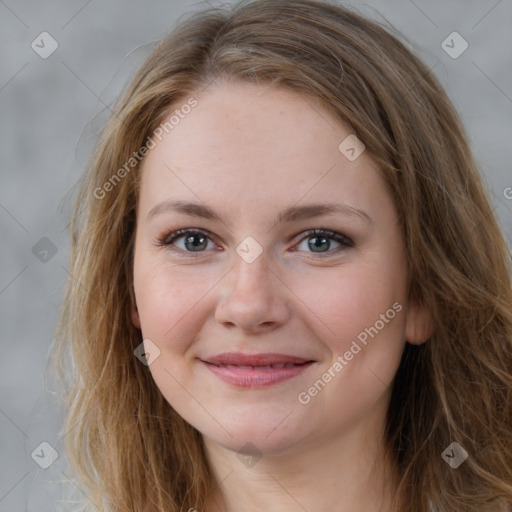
[[249, 152]]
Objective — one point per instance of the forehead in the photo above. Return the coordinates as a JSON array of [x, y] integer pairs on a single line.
[[255, 145]]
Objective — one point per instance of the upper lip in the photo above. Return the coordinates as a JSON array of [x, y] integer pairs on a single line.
[[239, 359]]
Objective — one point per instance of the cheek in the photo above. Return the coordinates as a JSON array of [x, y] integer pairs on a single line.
[[359, 316], [342, 302], [168, 301]]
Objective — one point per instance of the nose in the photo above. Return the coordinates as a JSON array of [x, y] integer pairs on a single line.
[[252, 297]]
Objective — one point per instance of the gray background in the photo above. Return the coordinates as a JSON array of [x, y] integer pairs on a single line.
[[51, 110]]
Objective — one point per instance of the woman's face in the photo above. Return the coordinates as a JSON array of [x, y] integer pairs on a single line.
[[254, 282]]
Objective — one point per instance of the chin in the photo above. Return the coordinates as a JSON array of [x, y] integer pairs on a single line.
[[266, 437], [247, 444]]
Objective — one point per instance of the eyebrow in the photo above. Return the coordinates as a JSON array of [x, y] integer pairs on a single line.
[[291, 214]]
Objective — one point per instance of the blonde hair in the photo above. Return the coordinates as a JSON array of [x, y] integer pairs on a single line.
[[129, 448]]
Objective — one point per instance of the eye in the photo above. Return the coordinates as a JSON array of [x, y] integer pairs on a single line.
[[196, 241], [319, 239]]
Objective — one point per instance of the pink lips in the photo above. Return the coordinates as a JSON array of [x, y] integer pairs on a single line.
[[245, 370]]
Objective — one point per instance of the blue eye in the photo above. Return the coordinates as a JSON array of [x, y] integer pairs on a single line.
[[196, 241], [321, 238]]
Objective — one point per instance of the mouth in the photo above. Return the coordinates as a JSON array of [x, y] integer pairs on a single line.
[[250, 371]]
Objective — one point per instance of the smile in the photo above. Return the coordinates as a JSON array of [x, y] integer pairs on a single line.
[[246, 376]]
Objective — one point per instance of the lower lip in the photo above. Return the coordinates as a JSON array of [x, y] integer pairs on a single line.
[[254, 378]]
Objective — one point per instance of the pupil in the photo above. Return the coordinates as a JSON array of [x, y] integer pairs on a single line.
[[191, 237], [314, 245]]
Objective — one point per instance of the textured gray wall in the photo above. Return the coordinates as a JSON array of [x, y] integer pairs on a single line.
[[50, 109]]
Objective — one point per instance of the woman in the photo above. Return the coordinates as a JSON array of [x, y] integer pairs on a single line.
[[220, 362]]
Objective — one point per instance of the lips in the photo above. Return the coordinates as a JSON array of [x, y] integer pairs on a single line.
[[260, 361], [256, 371]]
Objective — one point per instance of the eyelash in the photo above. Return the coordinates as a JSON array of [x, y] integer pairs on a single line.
[[169, 238]]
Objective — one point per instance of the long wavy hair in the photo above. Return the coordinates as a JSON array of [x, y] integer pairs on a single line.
[[129, 449]]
